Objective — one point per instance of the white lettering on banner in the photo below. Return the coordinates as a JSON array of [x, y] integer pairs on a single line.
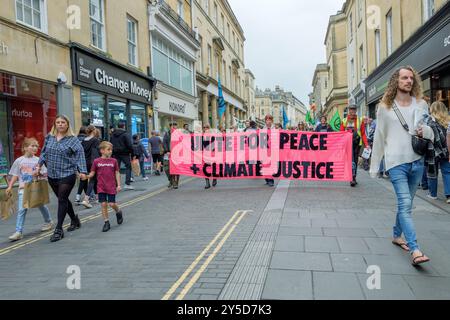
[[177, 107], [447, 41], [21, 114]]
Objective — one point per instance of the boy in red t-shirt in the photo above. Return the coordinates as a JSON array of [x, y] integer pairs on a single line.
[[108, 182]]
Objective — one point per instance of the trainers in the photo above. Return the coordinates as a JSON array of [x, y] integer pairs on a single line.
[[128, 187], [106, 226], [448, 200], [16, 236], [87, 204], [119, 216], [433, 198], [145, 179], [47, 226], [78, 199], [132, 179]]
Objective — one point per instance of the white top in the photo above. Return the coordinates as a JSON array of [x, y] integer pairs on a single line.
[[24, 168], [391, 140]]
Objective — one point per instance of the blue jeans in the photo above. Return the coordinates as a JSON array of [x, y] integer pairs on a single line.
[[433, 182], [405, 179], [141, 164], [424, 182], [21, 214]]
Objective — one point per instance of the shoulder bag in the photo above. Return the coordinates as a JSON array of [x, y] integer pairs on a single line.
[[420, 145]]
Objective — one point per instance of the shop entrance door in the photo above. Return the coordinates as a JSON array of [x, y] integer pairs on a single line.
[[117, 111]]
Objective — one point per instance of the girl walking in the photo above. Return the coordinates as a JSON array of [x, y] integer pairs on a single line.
[[63, 156], [23, 170], [106, 169]]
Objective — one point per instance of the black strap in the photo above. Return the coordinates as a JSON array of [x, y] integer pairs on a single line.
[[400, 117]]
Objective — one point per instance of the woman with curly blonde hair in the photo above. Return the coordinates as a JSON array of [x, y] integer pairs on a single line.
[[402, 99], [439, 121]]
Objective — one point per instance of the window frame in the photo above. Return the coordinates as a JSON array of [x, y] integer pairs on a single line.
[[102, 24], [133, 21], [42, 14], [377, 47], [389, 33]]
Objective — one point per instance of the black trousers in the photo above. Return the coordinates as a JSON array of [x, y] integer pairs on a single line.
[[62, 189], [126, 159]]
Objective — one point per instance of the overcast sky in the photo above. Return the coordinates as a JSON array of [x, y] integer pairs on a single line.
[[285, 40]]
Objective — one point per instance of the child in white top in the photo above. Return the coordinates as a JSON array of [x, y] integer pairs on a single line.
[[23, 170]]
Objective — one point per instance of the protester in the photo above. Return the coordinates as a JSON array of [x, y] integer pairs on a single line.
[[206, 143], [63, 155], [155, 147], [253, 126], [140, 153], [91, 152], [323, 125], [173, 178], [186, 129], [269, 126], [353, 124], [247, 125], [107, 171], [403, 95], [301, 126], [439, 158], [123, 151], [23, 169], [278, 126]]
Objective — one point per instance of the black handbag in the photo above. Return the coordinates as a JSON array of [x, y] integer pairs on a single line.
[[420, 145]]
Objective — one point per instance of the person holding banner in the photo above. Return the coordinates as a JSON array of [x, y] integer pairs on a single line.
[[23, 170], [398, 120], [207, 129], [354, 124], [269, 126], [173, 179], [323, 125]]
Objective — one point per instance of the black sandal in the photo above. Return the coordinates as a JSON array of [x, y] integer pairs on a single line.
[[414, 263]]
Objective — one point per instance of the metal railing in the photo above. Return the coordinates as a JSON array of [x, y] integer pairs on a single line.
[[164, 6]]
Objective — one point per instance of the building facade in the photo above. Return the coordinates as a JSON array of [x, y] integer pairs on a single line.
[[174, 52], [419, 38], [336, 50], [250, 95], [221, 56], [273, 102], [320, 88]]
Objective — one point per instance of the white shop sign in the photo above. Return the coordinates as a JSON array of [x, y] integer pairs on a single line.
[[175, 106]]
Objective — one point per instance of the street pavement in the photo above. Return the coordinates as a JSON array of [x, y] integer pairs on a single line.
[[241, 240]]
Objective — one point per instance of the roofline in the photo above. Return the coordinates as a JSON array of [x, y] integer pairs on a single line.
[[235, 20], [333, 20]]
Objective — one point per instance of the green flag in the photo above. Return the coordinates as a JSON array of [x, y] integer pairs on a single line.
[[336, 122], [309, 119]]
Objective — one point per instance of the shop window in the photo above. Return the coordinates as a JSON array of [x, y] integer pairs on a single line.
[[33, 13], [138, 120], [4, 141], [33, 112], [117, 112], [93, 110]]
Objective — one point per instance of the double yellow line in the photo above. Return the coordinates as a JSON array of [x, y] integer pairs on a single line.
[[83, 220], [233, 222]]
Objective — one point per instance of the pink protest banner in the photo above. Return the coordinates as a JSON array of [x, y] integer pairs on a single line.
[[263, 154]]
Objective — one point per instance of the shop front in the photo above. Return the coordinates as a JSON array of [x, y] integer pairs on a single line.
[[428, 52], [171, 106], [27, 110], [110, 93]]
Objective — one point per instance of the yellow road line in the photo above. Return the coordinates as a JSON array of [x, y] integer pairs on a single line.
[[210, 258], [197, 260], [85, 219]]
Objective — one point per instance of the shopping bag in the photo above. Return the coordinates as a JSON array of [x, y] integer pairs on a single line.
[[136, 167], [366, 153], [35, 194], [8, 204]]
